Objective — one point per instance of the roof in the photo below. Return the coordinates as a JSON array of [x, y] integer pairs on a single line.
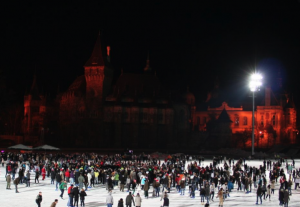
[[96, 58], [79, 85]]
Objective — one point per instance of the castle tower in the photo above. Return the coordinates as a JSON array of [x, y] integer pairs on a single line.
[[98, 78], [34, 107]]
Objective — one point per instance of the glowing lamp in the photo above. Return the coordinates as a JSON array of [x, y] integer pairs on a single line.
[[255, 82]]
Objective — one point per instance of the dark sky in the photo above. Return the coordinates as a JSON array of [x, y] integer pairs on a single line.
[[190, 42]]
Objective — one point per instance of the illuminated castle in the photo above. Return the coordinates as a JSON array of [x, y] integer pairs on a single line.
[[138, 112]]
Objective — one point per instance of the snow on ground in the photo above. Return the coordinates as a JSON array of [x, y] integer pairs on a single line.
[[96, 196]]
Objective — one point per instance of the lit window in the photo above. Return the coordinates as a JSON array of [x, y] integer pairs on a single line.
[[245, 121], [273, 120], [236, 121]]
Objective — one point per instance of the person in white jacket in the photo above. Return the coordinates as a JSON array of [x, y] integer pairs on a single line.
[[89, 179], [109, 200], [138, 200], [212, 191]]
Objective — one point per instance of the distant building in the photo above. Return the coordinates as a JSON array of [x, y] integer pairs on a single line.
[[275, 121], [138, 112]]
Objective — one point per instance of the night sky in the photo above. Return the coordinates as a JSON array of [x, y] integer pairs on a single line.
[[191, 43]]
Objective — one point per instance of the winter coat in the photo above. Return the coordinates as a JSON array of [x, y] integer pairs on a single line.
[[116, 177], [166, 202], [207, 190], [273, 184], [8, 178], [17, 180], [120, 204], [63, 186], [143, 181], [52, 174], [122, 179], [39, 198], [76, 192], [82, 194], [67, 174], [58, 178], [53, 204], [259, 191], [281, 195], [286, 196], [138, 200], [146, 186], [81, 179], [109, 199], [182, 184], [129, 200], [202, 192]]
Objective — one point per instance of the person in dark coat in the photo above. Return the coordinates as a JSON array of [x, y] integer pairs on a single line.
[[129, 200], [58, 180], [286, 198], [281, 196], [16, 183], [77, 174], [21, 175], [52, 175], [76, 195], [166, 201], [259, 194], [28, 179], [122, 181], [39, 199], [82, 194], [146, 188], [121, 203], [109, 184], [37, 175]]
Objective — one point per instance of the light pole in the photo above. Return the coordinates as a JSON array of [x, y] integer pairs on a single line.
[[254, 84]]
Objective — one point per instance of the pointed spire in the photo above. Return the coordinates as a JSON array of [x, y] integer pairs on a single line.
[[96, 58], [148, 68], [34, 92]]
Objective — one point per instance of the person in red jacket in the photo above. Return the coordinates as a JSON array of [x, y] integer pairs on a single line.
[[67, 175], [43, 172], [177, 180], [70, 193]]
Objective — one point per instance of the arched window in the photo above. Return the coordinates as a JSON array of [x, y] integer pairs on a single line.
[[236, 120]]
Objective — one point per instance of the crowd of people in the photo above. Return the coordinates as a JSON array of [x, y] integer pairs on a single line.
[[77, 173]]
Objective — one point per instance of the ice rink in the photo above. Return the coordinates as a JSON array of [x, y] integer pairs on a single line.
[[96, 196]]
